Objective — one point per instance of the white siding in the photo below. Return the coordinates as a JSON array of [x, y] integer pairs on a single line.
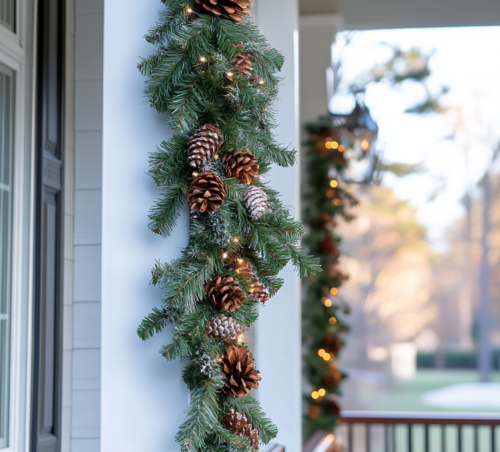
[[86, 332]]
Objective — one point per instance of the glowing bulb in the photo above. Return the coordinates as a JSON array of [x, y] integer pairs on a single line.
[[335, 145], [195, 173], [321, 352], [262, 82], [235, 240], [341, 148], [324, 299], [322, 392], [241, 338], [328, 145], [189, 10], [224, 256], [327, 356], [334, 291], [203, 59], [365, 145], [229, 74], [315, 395], [332, 321], [337, 202], [333, 183], [330, 193], [216, 156], [240, 261], [328, 303]]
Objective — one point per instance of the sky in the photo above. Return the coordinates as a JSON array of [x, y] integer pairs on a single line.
[[455, 147]]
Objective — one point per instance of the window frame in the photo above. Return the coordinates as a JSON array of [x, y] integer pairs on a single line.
[[15, 53]]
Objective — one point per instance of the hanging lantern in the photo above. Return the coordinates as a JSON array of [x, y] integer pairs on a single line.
[[358, 134]]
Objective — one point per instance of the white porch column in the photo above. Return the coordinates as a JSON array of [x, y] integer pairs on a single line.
[[143, 395], [278, 344]]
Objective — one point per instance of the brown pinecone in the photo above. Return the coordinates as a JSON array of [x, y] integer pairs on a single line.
[[258, 291], [206, 193], [334, 272], [239, 425], [332, 345], [238, 372], [333, 408], [334, 379], [314, 411], [328, 246], [223, 327], [241, 266], [255, 201], [204, 144], [242, 165], [230, 9], [242, 64], [325, 221], [225, 293]]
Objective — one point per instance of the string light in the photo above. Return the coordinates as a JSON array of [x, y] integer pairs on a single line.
[[323, 300], [330, 193], [189, 10], [315, 395], [216, 156], [365, 145], [321, 352], [327, 356], [235, 240], [328, 144], [241, 338], [341, 148], [229, 74], [334, 183], [332, 321], [322, 392], [195, 173], [224, 256], [335, 145], [334, 291], [262, 82], [337, 202], [203, 59], [328, 303]]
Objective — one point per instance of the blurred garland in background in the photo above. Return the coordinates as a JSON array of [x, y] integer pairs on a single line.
[[325, 199]]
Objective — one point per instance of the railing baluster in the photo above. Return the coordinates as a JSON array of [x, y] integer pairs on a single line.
[[443, 438], [368, 437], [476, 439], [349, 436], [426, 437], [410, 438], [386, 438], [459, 427], [394, 437], [493, 445]]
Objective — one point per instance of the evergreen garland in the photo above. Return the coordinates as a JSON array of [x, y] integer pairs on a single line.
[[323, 308], [209, 72]]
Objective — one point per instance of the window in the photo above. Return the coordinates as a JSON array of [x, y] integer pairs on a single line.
[[7, 13], [6, 155]]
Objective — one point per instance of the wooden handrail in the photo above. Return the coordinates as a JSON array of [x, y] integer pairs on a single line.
[[393, 417]]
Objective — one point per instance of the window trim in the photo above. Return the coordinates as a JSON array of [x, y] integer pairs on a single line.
[[13, 54]]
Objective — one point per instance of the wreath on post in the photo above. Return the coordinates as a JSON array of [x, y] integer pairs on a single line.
[[215, 77]]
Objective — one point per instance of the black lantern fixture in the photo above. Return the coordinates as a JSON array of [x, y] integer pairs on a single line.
[[358, 133]]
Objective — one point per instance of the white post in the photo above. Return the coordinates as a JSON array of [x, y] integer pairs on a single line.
[[143, 396], [278, 342]]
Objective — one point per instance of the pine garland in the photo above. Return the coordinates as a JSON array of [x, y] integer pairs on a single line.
[[191, 77], [323, 308]]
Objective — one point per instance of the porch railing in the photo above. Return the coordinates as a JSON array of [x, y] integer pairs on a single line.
[[419, 432], [362, 431]]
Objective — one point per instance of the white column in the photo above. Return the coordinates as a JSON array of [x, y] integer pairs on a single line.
[[143, 396], [279, 328], [317, 33]]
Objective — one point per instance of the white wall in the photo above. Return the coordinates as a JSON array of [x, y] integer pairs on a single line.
[[143, 396]]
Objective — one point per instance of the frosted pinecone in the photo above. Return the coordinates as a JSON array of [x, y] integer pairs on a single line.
[[255, 201], [223, 327]]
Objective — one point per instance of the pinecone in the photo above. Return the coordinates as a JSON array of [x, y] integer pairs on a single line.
[[240, 266], [193, 215], [239, 425], [259, 292], [206, 193], [334, 379], [204, 144], [242, 165], [225, 293], [255, 201], [325, 221], [314, 411], [332, 345], [229, 9], [223, 327], [328, 246], [238, 372], [242, 64], [333, 408]]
